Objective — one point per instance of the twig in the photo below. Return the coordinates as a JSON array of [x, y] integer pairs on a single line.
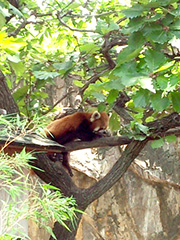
[[92, 79], [94, 15], [60, 100], [21, 26], [69, 27]]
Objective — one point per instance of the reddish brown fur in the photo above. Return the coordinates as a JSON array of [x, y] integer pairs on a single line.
[[78, 125], [61, 126], [102, 122]]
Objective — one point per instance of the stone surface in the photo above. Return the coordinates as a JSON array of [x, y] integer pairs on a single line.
[[143, 205]]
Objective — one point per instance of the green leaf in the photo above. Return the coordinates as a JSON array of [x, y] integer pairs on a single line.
[[78, 83], [176, 101], [113, 94], [136, 40], [170, 138], [63, 66], [140, 128], [162, 82], [159, 36], [114, 122], [43, 75], [10, 44], [141, 99], [101, 107], [18, 68], [2, 21], [168, 19], [157, 143], [174, 80], [155, 33], [134, 11], [89, 48], [175, 12], [154, 18], [14, 58], [102, 27], [113, 26], [149, 119], [16, 11], [134, 26], [39, 94], [21, 92], [175, 25], [126, 55], [146, 83], [127, 73], [158, 102], [114, 84], [154, 59], [99, 96]]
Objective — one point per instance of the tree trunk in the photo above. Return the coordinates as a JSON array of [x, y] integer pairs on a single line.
[[62, 233], [6, 100]]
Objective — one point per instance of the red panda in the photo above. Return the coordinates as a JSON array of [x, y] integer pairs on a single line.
[[80, 125]]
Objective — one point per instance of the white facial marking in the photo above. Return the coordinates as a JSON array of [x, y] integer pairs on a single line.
[[96, 129], [95, 115]]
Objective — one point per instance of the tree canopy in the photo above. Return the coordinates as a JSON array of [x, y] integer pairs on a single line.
[[114, 46]]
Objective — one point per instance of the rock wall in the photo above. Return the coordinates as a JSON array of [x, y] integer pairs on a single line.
[[143, 205]]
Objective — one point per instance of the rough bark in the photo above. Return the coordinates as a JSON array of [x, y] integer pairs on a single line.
[[6, 100]]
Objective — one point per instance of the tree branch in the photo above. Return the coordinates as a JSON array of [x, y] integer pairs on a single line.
[[60, 100], [101, 142], [69, 27], [21, 26], [119, 168], [92, 79]]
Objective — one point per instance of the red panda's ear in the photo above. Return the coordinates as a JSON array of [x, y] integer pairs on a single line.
[[95, 115], [109, 114]]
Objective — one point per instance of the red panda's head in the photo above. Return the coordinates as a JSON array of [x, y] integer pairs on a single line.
[[99, 121]]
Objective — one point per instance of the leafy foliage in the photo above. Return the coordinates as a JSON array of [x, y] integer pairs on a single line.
[[140, 39], [42, 203]]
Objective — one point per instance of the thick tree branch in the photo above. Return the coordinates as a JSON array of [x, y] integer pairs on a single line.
[[119, 168], [108, 45], [101, 142]]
